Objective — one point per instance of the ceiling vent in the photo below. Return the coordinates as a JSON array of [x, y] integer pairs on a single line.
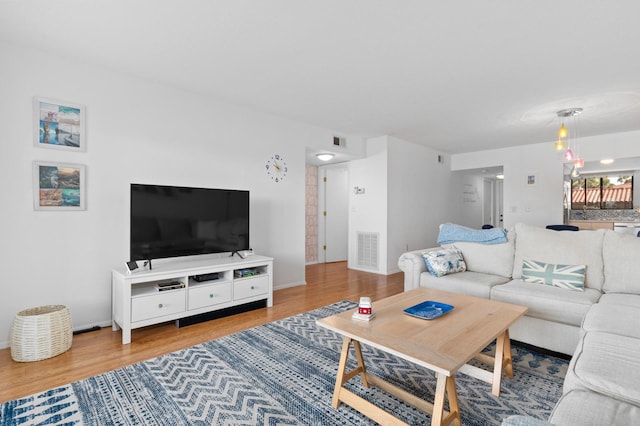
[[338, 141]]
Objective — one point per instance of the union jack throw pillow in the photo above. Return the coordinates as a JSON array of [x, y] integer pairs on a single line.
[[570, 277]]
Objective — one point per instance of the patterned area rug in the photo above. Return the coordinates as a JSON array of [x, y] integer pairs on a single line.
[[281, 373]]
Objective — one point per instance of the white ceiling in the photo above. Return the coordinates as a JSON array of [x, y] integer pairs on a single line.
[[457, 76]]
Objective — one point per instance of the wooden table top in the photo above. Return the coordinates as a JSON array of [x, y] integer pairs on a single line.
[[443, 344]]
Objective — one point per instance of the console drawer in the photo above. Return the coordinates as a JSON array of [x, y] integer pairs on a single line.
[[250, 287], [157, 305], [209, 295]]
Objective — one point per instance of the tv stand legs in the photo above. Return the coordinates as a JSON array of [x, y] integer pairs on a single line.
[[126, 332]]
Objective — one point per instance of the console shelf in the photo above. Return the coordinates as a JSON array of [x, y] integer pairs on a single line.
[[139, 302]]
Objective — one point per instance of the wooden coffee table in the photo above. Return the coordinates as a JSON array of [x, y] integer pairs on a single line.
[[444, 345]]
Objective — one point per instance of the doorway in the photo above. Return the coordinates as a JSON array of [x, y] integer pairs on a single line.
[[492, 213]]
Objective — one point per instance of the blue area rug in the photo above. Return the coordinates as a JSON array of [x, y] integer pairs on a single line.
[[281, 373]]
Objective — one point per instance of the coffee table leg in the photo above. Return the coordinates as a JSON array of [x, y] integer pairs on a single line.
[[340, 378], [342, 375], [445, 387], [502, 360], [361, 366], [454, 410], [507, 355]]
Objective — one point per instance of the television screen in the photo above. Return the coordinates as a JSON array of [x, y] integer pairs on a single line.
[[171, 221]]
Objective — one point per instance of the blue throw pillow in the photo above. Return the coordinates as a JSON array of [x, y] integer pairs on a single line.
[[570, 277], [444, 261]]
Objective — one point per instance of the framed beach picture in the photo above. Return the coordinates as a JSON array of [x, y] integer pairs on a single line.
[[59, 125], [58, 186]]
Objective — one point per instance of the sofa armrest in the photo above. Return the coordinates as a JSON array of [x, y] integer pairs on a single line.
[[412, 264]]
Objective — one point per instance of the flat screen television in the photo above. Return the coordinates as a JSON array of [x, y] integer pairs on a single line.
[[173, 221]]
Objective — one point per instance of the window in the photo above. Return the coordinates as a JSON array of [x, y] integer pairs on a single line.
[[602, 192]]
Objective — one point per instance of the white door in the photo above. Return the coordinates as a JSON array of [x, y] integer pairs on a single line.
[[334, 211]]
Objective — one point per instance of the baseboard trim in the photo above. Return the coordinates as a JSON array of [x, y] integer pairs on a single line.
[[288, 285]]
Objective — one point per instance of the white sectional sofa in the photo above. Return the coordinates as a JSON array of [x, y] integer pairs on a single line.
[[599, 326]]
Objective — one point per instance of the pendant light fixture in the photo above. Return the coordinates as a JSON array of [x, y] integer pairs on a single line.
[[568, 155], [567, 137], [562, 133]]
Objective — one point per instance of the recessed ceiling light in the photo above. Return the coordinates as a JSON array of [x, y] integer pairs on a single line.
[[500, 176], [325, 156], [607, 161]]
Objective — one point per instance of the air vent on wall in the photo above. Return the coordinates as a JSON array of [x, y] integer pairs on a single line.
[[368, 249], [338, 141]]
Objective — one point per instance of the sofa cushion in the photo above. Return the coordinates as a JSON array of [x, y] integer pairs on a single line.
[[569, 277], [620, 299], [494, 259], [546, 302], [444, 261], [608, 364], [613, 318], [621, 253], [568, 248], [470, 283], [584, 408]]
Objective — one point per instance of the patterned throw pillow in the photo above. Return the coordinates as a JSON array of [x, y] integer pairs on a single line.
[[570, 277], [444, 261]]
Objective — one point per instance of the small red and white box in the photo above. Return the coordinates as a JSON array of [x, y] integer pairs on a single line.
[[365, 307], [365, 310]]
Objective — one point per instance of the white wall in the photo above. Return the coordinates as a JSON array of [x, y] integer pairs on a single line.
[[406, 198], [541, 203], [614, 145], [368, 211], [536, 204], [418, 198], [137, 131], [465, 198]]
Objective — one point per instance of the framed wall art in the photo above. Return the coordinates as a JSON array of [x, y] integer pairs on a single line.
[[59, 186], [59, 125]]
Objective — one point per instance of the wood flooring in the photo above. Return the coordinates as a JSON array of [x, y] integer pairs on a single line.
[[100, 351]]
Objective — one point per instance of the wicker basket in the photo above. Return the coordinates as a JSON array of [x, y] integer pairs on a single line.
[[41, 333]]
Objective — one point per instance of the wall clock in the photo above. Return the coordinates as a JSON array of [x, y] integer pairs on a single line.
[[276, 168]]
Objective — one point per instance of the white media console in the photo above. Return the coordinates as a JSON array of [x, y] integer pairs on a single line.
[[140, 300]]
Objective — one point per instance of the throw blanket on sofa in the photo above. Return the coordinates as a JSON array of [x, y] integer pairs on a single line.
[[450, 233]]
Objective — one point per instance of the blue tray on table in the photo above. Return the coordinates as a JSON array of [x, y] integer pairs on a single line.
[[428, 310]]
